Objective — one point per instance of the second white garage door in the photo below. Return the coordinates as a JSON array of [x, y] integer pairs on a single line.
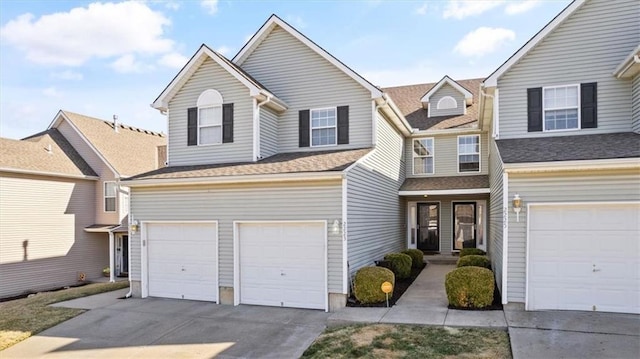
[[584, 257], [283, 264]]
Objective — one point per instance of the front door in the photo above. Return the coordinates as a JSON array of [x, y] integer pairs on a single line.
[[464, 225], [428, 227], [122, 259]]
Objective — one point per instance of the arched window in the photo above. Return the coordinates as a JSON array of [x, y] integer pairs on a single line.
[[446, 103], [209, 117]]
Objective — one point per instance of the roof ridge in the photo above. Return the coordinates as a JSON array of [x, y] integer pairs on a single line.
[[120, 124], [433, 83]]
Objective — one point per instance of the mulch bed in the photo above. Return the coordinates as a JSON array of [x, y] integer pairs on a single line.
[[400, 287], [495, 305]]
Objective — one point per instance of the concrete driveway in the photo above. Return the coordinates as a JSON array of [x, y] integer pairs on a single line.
[[566, 334], [162, 328]]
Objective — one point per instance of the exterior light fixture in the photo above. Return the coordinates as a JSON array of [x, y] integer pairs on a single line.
[[135, 225], [335, 226], [517, 206]]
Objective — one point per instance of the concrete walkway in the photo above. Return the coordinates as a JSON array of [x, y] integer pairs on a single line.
[[94, 301], [425, 302]]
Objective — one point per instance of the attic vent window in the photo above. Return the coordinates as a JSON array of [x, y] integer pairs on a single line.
[[446, 103]]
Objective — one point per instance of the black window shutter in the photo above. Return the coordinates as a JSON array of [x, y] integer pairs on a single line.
[[303, 128], [589, 105], [343, 125], [192, 126], [534, 109], [227, 123]]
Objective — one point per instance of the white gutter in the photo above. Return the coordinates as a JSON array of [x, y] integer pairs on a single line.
[[402, 121], [44, 173], [278, 177], [256, 128], [449, 131], [617, 163], [445, 192]]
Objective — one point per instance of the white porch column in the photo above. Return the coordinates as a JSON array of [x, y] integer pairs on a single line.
[[112, 258]]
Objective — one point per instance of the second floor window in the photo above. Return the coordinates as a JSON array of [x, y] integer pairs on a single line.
[[423, 162], [210, 125], [560, 107], [469, 153], [323, 127], [109, 196]]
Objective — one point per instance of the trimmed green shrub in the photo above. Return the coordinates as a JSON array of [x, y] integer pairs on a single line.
[[470, 287], [417, 257], [400, 264], [474, 261], [472, 251], [366, 285]]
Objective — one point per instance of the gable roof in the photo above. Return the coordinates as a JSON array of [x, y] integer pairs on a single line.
[[47, 153], [468, 96], [408, 99], [274, 21], [255, 88], [492, 80], [129, 151]]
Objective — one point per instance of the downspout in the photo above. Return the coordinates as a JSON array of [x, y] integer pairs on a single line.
[[130, 292], [256, 132]]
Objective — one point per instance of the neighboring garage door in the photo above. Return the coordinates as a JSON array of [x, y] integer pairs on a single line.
[[283, 264], [182, 260], [584, 257]]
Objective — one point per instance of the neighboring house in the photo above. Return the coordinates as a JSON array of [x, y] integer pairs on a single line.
[[286, 173], [566, 143], [63, 215]]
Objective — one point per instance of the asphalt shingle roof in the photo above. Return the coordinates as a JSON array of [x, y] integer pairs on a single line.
[[407, 98], [570, 148], [32, 154], [445, 183], [295, 162]]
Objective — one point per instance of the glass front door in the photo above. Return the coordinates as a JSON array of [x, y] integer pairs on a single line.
[[464, 225], [428, 227]]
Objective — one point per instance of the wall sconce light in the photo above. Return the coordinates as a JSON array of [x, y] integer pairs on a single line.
[[335, 226], [517, 206], [135, 225]]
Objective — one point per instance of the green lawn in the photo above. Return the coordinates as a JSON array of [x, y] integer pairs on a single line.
[[22, 318], [409, 341]]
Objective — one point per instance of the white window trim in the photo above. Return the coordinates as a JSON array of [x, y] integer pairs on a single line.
[[104, 197], [544, 120], [413, 157], [447, 98], [311, 128], [479, 154], [220, 125]]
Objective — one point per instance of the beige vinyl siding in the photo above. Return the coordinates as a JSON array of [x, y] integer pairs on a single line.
[[42, 241], [446, 156], [587, 47], [496, 213], [559, 187], [100, 167], [269, 202], [210, 75], [268, 132], [375, 213], [446, 90], [635, 105], [305, 80]]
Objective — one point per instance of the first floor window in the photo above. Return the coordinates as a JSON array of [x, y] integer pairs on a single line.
[[109, 196], [210, 125], [469, 153], [423, 156], [323, 127], [560, 107]]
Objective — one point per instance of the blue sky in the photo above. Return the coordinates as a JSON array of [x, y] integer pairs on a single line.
[[105, 58]]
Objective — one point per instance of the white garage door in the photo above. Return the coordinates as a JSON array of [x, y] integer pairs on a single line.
[[283, 264], [182, 260], [584, 257]]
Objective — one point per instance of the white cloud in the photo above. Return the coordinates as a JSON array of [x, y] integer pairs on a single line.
[[172, 5], [210, 5], [67, 75], [297, 21], [100, 30], [483, 40], [422, 10], [515, 8], [128, 64], [173, 60], [461, 9], [223, 50], [51, 92]]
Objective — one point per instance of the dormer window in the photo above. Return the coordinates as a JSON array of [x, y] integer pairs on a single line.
[[446, 103]]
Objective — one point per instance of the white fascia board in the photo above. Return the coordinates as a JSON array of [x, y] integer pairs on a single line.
[[270, 178], [492, 80], [269, 25], [385, 102], [445, 192], [451, 131], [49, 174], [616, 163], [629, 61], [447, 80]]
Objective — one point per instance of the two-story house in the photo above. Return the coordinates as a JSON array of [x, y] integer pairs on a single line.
[[564, 160], [63, 214]]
